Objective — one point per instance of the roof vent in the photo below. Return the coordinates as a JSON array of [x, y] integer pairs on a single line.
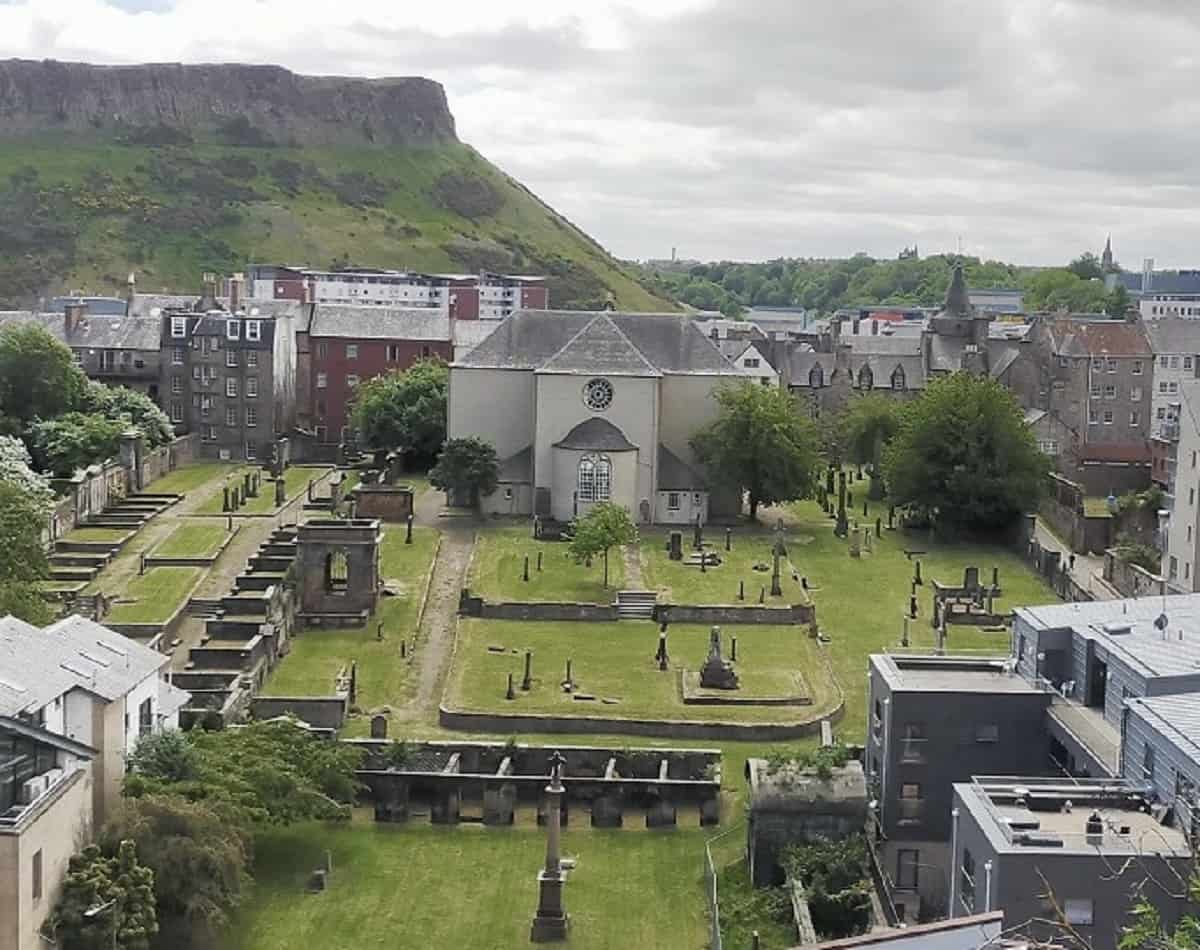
[[1117, 627]]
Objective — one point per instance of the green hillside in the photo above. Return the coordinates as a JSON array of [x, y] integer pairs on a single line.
[[81, 213]]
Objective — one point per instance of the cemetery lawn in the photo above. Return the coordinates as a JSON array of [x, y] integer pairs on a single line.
[[616, 660], [155, 595], [295, 482], [317, 655], [102, 535], [470, 888], [499, 562], [193, 539], [188, 478]]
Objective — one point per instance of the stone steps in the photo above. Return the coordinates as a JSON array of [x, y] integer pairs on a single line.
[[636, 604]]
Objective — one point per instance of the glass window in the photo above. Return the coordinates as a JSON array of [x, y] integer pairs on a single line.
[[178, 327], [912, 747], [1108, 417], [1093, 416], [176, 384], [251, 451], [898, 379], [252, 358], [1079, 911], [1174, 362], [1137, 367], [177, 355], [230, 416], [1135, 418], [1187, 362], [352, 380], [251, 386], [251, 416], [1096, 391], [1110, 392], [322, 381], [908, 862], [233, 329], [1135, 394], [254, 330], [176, 411], [231, 386], [231, 358], [673, 501], [816, 377], [1112, 365], [351, 351]]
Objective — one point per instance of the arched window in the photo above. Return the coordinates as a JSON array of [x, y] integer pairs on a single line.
[[595, 478], [898, 378], [865, 379], [816, 377]]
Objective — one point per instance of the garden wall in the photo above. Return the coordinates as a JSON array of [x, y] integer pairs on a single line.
[[733, 614], [320, 712], [471, 606], [1064, 513], [1130, 579]]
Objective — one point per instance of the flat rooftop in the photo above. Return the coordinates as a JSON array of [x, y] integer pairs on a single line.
[[1127, 629], [950, 674], [1051, 816]]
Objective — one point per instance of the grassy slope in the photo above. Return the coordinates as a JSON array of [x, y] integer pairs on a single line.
[[315, 226]]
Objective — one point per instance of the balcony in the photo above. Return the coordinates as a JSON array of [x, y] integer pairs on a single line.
[[1086, 733]]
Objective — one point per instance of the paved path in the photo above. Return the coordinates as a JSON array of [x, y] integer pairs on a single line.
[[631, 554], [1088, 571]]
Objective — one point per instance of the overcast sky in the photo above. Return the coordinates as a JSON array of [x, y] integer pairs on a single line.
[[750, 129]]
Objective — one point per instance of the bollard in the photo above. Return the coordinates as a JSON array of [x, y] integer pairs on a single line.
[[403, 649], [762, 595], [568, 680], [142, 563]]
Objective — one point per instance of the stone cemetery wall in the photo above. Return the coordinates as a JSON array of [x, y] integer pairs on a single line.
[[733, 615], [1130, 579], [471, 606], [386, 502], [1064, 513], [320, 712]]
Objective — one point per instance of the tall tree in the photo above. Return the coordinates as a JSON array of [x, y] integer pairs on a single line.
[[604, 527], [1117, 304], [761, 444], [134, 408], [38, 376], [405, 410], [118, 884], [76, 440], [22, 554], [964, 457], [1086, 267], [870, 422], [467, 468]]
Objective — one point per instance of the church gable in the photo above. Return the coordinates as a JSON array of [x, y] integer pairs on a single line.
[[600, 348]]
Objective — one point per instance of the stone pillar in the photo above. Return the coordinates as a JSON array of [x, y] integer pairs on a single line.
[[675, 546], [132, 448], [550, 922]]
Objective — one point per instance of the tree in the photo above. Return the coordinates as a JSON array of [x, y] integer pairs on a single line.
[[1117, 303], [15, 468], [761, 444], [870, 422], [76, 440], [1086, 267], [605, 526], [118, 882], [964, 457], [467, 468], [134, 408], [38, 376], [22, 554], [405, 410]]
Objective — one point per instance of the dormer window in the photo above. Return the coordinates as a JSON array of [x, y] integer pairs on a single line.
[[233, 329], [253, 330], [178, 327]]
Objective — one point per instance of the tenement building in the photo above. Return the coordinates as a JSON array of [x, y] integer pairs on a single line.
[[590, 407]]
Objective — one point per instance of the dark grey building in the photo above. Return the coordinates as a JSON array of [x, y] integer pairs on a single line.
[[934, 721], [1090, 849], [1161, 747]]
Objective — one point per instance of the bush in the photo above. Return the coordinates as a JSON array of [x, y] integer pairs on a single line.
[[838, 885]]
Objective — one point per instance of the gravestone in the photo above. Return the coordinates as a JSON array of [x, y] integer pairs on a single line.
[[245, 484], [717, 673], [697, 535], [539, 562], [527, 681], [510, 693], [225, 504], [280, 492], [408, 530], [525, 571], [728, 539], [842, 528], [855, 543], [675, 546], [379, 727], [741, 590]]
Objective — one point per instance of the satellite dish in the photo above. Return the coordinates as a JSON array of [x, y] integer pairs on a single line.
[[1160, 621]]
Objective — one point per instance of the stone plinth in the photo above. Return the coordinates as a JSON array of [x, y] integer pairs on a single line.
[[551, 921]]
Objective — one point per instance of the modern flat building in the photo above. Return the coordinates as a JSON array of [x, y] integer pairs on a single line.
[[342, 346], [1163, 293], [483, 296], [934, 721], [1160, 748], [75, 698], [1090, 850]]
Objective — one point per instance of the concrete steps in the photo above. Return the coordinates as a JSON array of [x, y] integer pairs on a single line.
[[83, 574], [636, 604]]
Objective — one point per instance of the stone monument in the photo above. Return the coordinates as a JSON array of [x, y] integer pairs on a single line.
[[717, 673], [551, 920]]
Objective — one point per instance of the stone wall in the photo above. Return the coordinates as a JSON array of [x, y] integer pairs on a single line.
[[320, 712], [166, 458], [472, 606], [1064, 513], [386, 502], [733, 615], [1130, 579]]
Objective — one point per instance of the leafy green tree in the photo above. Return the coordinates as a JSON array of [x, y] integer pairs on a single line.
[[271, 772], [605, 526], [76, 440], [16, 468], [120, 885], [199, 853], [169, 756], [1086, 267], [134, 408], [1118, 304], [1063, 290], [761, 444], [964, 457], [38, 376], [870, 422], [22, 554], [467, 468], [1145, 930], [405, 410]]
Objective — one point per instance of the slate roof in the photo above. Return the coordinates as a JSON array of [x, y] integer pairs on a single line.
[[100, 331], [379, 323], [882, 354], [1176, 717], [596, 435], [518, 467], [1002, 357], [1162, 282], [527, 340], [600, 347], [1174, 335], [676, 475], [1072, 337], [36, 666]]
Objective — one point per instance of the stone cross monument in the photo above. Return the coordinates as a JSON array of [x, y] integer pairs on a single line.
[[550, 921]]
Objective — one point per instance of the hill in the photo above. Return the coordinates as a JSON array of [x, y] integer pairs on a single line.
[[170, 170]]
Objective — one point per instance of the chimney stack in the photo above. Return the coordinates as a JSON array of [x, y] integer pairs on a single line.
[[130, 288], [235, 292], [874, 327], [74, 314]]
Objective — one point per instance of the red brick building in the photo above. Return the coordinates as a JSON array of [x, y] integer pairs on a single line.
[[343, 346]]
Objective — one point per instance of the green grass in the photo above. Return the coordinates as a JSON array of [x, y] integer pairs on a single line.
[[499, 562], [155, 595], [104, 535], [193, 539], [471, 888], [295, 482], [616, 660], [682, 583], [317, 655], [1096, 507], [188, 478]]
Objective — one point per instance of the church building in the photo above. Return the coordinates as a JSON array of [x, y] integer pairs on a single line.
[[589, 407]]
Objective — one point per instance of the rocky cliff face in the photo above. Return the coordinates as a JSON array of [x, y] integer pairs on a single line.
[[247, 105]]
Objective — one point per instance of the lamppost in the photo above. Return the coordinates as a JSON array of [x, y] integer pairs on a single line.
[[550, 921]]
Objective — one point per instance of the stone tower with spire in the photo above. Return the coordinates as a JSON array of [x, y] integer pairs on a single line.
[[1106, 259], [963, 331]]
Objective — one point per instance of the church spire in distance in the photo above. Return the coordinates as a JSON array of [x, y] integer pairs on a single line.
[[1106, 259]]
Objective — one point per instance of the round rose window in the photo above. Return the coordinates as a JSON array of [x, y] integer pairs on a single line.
[[598, 394]]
